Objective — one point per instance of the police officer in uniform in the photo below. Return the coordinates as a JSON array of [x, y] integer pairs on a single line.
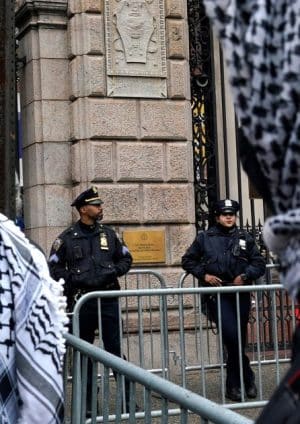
[[89, 256], [221, 256]]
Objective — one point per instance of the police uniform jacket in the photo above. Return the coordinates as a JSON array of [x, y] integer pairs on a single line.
[[89, 258], [225, 253]]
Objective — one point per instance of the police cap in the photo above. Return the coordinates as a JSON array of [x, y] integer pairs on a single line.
[[87, 197], [226, 206]]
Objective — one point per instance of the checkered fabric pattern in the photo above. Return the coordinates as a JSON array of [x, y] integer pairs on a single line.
[[32, 324], [261, 43]]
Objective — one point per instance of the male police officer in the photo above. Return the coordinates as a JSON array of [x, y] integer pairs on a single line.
[[224, 255], [90, 256]]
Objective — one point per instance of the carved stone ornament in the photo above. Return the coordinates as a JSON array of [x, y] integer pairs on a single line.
[[135, 38]]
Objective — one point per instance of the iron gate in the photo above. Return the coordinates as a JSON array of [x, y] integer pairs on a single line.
[[206, 120]]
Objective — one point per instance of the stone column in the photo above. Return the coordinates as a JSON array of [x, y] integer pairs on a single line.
[[45, 105]]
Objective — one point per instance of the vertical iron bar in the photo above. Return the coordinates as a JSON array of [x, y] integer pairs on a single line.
[[8, 119], [203, 105]]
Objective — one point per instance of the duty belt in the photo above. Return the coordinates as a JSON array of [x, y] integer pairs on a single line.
[[81, 292]]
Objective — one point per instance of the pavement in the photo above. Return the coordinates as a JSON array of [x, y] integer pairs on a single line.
[[266, 386]]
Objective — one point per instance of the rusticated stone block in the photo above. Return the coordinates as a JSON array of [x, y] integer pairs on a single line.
[[45, 121], [50, 164], [80, 6], [57, 48], [179, 160], [56, 162], [177, 46], [122, 203], [36, 44], [86, 33], [30, 83], [47, 206], [166, 119], [180, 238], [78, 162], [99, 161], [88, 76], [140, 161], [178, 81], [55, 79], [55, 120], [33, 175], [45, 236], [45, 79], [104, 118], [168, 203], [32, 130], [29, 46], [175, 9]]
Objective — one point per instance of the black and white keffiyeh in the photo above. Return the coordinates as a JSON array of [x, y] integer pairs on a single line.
[[261, 43], [32, 324]]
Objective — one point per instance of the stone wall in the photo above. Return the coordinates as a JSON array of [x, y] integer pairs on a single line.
[[136, 149]]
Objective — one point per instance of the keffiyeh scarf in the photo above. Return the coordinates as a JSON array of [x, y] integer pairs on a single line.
[[261, 42], [31, 333]]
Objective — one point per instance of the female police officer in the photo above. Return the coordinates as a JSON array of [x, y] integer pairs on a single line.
[[225, 255]]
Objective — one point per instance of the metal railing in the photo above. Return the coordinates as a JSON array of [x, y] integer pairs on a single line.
[[187, 403], [172, 336]]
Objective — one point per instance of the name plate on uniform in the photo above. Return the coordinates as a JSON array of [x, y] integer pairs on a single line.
[[146, 246]]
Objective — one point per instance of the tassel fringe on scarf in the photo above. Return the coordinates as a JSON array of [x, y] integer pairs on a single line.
[[33, 321]]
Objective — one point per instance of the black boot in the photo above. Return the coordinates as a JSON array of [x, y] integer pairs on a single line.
[[234, 393]]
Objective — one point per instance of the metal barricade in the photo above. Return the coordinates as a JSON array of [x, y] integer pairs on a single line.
[[269, 360], [143, 320], [171, 400], [173, 337]]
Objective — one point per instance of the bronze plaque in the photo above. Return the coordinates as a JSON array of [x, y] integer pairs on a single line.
[[146, 246]]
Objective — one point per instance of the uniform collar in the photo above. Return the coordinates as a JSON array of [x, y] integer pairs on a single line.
[[80, 229]]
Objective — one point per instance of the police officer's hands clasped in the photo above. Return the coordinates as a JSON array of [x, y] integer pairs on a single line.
[[212, 280], [238, 281]]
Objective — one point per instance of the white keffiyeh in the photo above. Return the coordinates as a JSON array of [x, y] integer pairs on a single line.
[[32, 324]]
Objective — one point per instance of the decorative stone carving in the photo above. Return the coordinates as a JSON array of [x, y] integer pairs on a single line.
[[135, 47], [136, 26]]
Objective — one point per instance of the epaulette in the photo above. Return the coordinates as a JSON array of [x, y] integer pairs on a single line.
[[105, 227], [67, 230]]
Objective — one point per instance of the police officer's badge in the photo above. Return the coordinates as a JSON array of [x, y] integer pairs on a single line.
[[57, 244], [103, 241], [243, 244]]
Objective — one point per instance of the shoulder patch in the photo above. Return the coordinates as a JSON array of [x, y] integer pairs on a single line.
[[57, 244]]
